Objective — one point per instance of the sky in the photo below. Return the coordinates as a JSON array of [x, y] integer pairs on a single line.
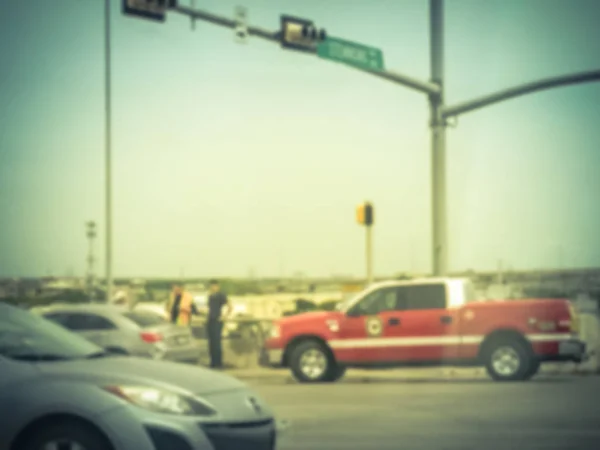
[[230, 159]]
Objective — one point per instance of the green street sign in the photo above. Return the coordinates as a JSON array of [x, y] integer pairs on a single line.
[[334, 49]]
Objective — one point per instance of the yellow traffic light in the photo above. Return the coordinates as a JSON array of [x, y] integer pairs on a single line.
[[364, 214], [360, 214]]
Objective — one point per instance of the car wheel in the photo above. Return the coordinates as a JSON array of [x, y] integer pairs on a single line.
[[312, 362], [65, 436], [509, 360]]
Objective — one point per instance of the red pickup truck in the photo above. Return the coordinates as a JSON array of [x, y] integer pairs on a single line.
[[427, 322]]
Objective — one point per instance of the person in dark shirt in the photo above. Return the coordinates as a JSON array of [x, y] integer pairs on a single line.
[[218, 308]]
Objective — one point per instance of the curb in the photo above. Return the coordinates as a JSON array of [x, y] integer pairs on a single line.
[[285, 377]]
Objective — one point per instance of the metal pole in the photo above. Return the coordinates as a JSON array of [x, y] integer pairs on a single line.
[[369, 252], [108, 151], [91, 277], [517, 91], [438, 141], [274, 36]]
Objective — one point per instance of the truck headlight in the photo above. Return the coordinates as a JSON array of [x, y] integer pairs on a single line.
[[161, 401], [275, 332]]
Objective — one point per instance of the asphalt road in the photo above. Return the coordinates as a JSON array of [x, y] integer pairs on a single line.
[[550, 414]]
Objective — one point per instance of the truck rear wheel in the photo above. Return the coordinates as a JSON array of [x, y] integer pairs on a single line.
[[509, 360], [312, 362]]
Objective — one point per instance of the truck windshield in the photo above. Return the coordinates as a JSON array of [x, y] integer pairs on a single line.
[[345, 304]]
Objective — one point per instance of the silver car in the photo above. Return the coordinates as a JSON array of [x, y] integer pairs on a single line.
[[120, 330], [60, 391]]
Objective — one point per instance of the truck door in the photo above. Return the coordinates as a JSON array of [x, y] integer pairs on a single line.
[[365, 330], [426, 331]]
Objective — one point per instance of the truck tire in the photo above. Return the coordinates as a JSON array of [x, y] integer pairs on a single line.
[[337, 373], [534, 368], [509, 360], [312, 362]]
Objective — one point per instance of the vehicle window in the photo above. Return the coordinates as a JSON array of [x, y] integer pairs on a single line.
[[23, 333], [377, 302], [88, 322], [145, 319], [422, 296], [59, 318]]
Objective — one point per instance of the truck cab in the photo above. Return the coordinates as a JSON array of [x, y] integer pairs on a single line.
[[425, 322]]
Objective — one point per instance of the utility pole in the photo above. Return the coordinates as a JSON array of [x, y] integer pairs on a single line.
[[108, 150], [281, 265], [303, 36], [91, 260], [365, 215], [369, 253], [438, 140]]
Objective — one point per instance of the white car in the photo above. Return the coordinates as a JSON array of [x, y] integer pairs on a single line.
[[60, 391]]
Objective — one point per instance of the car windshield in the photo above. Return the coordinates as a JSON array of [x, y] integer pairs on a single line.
[[24, 335], [145, 319]]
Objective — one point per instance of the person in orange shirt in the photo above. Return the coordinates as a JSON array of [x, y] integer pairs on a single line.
[[180, 306]]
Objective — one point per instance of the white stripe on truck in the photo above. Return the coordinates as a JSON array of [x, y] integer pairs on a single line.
[[422, 341]]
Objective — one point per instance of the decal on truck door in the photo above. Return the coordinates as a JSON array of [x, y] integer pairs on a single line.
[[374, 326]]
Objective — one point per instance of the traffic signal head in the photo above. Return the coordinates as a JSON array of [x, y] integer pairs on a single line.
[[164, 3], [364, 214], [148, 9], [300, 34]]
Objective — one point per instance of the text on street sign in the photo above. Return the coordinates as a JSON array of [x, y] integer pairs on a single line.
[[351, 53]]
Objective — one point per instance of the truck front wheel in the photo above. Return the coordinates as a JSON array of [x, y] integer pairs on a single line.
[[509, 360], [312, 362]]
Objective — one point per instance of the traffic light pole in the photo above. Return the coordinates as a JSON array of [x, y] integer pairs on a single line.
[[438, 141], [369, 253], [438, 111], [108, 150]]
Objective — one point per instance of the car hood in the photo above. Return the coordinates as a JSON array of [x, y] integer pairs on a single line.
[[313, 316], [144, 372]]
